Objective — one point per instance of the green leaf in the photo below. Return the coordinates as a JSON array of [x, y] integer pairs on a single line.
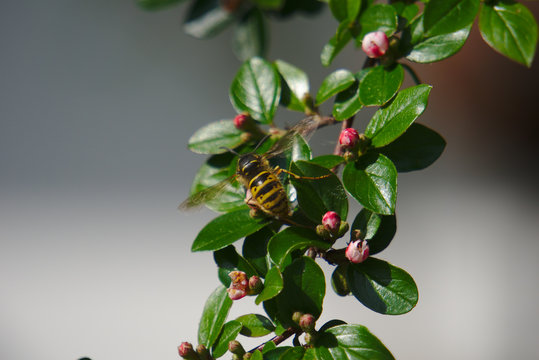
[[304, 290], [214, 171], [416, 149], [390, 122], [335, 44], [380, 84], [250, 38], [334, 83], [255, 249], [255, 325], [156, 4], [268, 346], [351, 342], [275, 354], [382, 287], [219, 233], [439, 47], [214, 316], [293, 238], [273, 285], [347, 103], [300, 149], [345, 9], [377, 229], [228, 333], [257, 355], [447, 16], [211, 138], [294, 87], [295, 353], [256, 89], [206, 18], [379, 17], [316, 197], [372, 180], [328, 161], [339, 283], [509, 28], [227, 259]]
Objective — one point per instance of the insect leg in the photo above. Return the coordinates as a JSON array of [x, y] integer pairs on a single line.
[[278, 170]]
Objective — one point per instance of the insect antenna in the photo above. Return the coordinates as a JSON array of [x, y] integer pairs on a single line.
[[230, 150], [261, 142]]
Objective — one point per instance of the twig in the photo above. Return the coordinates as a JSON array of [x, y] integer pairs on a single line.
[[280, 338]]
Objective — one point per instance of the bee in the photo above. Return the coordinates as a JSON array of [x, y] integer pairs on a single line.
[[265, 191]]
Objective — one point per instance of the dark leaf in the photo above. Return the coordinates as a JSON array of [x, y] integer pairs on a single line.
[[293, 238], [377, 229], [380, 84], [294, 87], [448, 16]]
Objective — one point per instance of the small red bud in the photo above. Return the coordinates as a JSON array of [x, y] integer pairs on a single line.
[[349, 138], [357, 251], [331, 221], [239, 285], [307, 322], [375, 44], [236, 348], [186, 350], [241, 120]]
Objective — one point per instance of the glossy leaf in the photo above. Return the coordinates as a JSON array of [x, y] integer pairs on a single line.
[[294, 87], [295, 353], [257, 355], [380, 84], [345, 9], [218, 233], [211, 138], [227, 259], [379, 17], [448, 16], [372, 180], [328, 161], [334, 83], [273, 284], [339, 283], [509, 28], [304, 290], [293, 238], [335, 44], [377, 229], [250, 37], [256, 89], [228, 333], [350, 342], [382, 287], [318, 196], [213, 171], [391, 121], [157, 4], [255, 249], [438, 47], [206, 18], [275, 354], [300, 149], [416, 149], [347, 103], [268, 346], [214, 316], [255, 325]]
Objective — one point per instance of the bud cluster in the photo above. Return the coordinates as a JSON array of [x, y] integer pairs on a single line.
[[241, 286], [353, 143], [332, 227]]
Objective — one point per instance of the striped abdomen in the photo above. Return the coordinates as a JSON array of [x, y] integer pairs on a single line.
[[269, 193]]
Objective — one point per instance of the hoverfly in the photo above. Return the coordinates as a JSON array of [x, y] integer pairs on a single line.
[[265, 191]]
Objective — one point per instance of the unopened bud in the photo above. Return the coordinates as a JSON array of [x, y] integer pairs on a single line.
[[255, 285], [296, 316], [242, 120], [363, 144], [375, 44], [307, 322], [310, 338], [239, 285], [247, 356], [186, 351], [236, 348], [203, 352], [331, 221], [348, 138], [357, 251], [343, 229], [323, 232]]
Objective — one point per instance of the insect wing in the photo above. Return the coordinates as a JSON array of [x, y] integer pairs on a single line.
[[206, 195], [304, 128]]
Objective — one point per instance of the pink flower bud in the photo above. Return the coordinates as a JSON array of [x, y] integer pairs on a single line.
[[185, 349], [375, 44], [236, 348], [357, 251], [331, 221], [349, 138], [307, 322], [239, 285], [241, 120], [255, 285]]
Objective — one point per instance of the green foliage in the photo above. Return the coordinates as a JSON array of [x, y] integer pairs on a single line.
[[283, 249]]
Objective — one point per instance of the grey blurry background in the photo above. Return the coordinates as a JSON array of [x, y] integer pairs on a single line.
[[98, 100]]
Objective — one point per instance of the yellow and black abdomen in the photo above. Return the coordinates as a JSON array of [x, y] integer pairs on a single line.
[[269, 193]]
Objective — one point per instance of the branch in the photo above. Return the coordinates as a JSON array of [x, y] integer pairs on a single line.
[[279, 339]]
